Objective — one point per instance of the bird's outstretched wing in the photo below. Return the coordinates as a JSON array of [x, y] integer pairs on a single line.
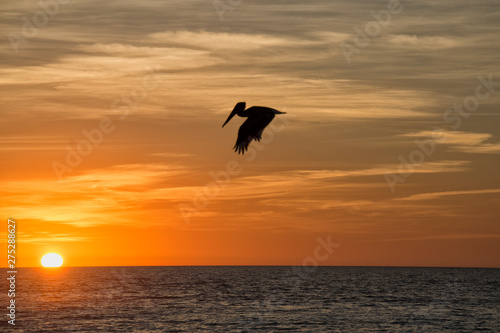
[[251, 129]]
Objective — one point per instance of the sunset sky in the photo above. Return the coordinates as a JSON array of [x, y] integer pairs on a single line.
[[151, 83]]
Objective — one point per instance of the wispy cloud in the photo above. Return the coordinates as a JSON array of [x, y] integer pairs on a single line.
[[462, 141], [290, 184], [95, 197], [44, 238], [436, 195], [424, 42], [171, 155], [41, 142], [439, 237], [112, 61], [224, 41]]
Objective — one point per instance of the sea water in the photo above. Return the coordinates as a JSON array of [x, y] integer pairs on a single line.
[[247, 299]]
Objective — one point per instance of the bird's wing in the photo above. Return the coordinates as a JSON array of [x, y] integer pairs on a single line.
[[244, 135], [262, 124], [251, 129]]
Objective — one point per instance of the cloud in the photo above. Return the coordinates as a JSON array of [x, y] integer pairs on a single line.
[[312, 205], [428, 167], [101, 196], [41, 142], [171, 155], [461, 141], [44, 238], [424, 42], [117, 49], [223, 41], [435, 195], [107, 61], [438, 237], [303, 182]]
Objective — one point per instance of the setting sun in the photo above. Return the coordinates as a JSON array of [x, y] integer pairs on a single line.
[[52, 260]]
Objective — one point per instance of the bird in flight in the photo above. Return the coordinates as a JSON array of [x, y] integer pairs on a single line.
[[258, 117]]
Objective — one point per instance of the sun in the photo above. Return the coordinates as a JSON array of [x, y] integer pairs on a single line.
[[52, 260]]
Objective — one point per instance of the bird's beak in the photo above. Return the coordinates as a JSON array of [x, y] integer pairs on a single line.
[[238, 108], [229, 118]]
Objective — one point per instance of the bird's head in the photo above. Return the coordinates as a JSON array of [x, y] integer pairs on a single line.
[[240, 107]]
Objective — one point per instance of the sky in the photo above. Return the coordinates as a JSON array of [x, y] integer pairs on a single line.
[[113, 152]]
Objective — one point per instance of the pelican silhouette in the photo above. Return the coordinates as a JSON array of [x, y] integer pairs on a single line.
[[258, 117]]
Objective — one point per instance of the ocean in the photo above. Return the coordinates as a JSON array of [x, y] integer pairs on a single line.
[[254, 298]]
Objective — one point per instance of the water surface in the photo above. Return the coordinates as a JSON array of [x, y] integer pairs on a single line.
[[245, 299]]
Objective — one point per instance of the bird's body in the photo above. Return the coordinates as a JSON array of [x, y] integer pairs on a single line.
[[258, 117]]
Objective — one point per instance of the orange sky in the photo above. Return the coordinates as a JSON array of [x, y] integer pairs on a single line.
[[111, 135]]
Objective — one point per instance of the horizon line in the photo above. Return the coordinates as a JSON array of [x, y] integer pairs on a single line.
[[370, 266]]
